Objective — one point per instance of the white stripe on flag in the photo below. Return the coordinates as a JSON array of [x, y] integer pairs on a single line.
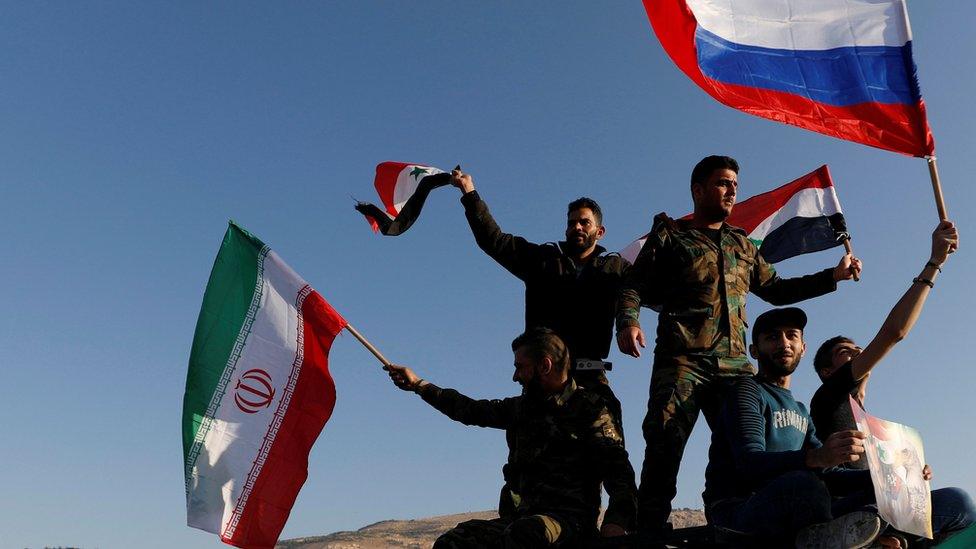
[[811, 202], [805, 25], [406, 184]]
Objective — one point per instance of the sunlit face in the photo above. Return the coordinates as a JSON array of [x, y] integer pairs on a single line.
[[779, 350], [841, 354], [582, 229], [715, 197]]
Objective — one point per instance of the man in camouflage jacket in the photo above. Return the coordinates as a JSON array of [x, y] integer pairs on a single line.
[[562, 440], [698, 272]]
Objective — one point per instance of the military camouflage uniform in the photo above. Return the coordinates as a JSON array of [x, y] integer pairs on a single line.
[[575, 301], [562, 446], [701, 336]]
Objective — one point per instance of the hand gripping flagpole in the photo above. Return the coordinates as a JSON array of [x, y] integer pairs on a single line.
[[376, 352], [937, 188], [850, 250]]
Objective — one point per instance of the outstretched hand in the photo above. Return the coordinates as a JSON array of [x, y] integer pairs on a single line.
[[462, 180], [849, 267], [403, 377], [945, 240]]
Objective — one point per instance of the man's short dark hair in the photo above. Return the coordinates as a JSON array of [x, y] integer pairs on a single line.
[[543, 342], [586, 202], [709, 164], [824, 357]]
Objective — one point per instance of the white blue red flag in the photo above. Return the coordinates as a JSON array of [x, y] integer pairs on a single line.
[[801, 217], [839, 67]]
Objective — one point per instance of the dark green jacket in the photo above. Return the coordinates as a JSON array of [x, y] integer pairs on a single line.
[[560, 449], [575, 302], [701, 289]]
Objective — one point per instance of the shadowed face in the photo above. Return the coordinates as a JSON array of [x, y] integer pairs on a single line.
[[841, 354], [715, 197], [779, 350], [582, 230]]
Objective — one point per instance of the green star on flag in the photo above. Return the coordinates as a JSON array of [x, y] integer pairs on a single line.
[[418, 171]]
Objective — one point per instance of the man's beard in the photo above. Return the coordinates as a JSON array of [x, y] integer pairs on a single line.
[[774, 367], [533, 389], [573, 246]]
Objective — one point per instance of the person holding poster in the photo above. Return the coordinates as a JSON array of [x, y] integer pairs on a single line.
[[844, 368]]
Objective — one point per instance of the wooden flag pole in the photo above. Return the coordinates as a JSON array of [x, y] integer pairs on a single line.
[[850, 250], [937, 188], [376, 352]]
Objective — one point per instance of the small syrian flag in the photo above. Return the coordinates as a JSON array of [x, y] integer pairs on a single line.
[[801, 217], [403, 188], [258, 392]]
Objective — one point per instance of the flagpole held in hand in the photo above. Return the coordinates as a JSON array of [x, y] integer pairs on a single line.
[[937, 188], [376, 352], [850, 250]]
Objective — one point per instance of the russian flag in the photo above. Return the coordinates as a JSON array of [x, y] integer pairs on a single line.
[[801, 217], [838, 67]]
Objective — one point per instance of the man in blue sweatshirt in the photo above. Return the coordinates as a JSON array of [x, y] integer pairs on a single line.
[[765, 475], [769, 476]]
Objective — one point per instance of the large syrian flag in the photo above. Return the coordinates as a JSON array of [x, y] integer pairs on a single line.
[[258, 392], [403, 188], [801, 217]]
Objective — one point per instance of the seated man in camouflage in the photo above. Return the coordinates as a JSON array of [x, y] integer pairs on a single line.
[[561, 438]]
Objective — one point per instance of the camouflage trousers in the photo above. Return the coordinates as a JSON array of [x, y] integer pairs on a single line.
[[681, 387], [511, 532]]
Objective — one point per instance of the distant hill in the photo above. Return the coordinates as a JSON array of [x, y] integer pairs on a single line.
[[421, 533]]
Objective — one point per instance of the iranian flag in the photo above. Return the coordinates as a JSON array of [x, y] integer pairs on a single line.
[[403, 188], [258, 392], [801, 217]]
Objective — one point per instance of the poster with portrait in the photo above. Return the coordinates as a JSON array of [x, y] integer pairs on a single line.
[[896, 459]]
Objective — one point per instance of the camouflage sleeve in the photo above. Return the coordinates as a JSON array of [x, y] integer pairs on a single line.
[[498, 414], [615, 471], [766, 284], [516, 254], [638, 278]]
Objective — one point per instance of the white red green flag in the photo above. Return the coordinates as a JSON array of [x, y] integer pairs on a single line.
[[403, 187], [801, 217], [258, 392]]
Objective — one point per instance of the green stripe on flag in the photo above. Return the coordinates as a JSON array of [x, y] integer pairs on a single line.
[[225, 312]]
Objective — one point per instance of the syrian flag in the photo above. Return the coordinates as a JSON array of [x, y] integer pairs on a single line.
[[403, 188], [801, 217], [258, 392]]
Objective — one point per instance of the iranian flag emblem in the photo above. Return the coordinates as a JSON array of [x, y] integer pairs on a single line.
[[258, 392]]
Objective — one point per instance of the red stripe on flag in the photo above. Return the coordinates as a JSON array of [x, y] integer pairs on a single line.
[[286, 467], [899, 128], [385, 183]]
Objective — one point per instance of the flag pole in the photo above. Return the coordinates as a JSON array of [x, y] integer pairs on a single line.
[[937, 188], [376, 352], [850, 250]]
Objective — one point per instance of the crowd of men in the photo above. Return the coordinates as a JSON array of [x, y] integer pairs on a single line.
[[770, 480]]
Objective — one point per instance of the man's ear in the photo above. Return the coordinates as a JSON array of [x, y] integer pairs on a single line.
[[601, 230], [545, 366], [696, 191], [753, 352]]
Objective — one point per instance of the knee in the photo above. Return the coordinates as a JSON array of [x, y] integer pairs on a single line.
[[956, 502]]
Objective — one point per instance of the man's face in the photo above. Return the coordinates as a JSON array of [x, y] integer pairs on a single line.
[[841, 354], [779, 350], [582, 230], [715, 197], [526, 372]]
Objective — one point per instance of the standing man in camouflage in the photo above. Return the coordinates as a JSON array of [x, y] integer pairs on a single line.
[[699, 271], [570, 286], [562, 439]]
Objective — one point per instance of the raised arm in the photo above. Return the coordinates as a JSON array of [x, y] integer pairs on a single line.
[[901, 319], [766, 284], [516, 254], [499, 414]]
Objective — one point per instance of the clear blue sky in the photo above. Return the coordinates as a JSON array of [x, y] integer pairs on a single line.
[[133, 132]]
